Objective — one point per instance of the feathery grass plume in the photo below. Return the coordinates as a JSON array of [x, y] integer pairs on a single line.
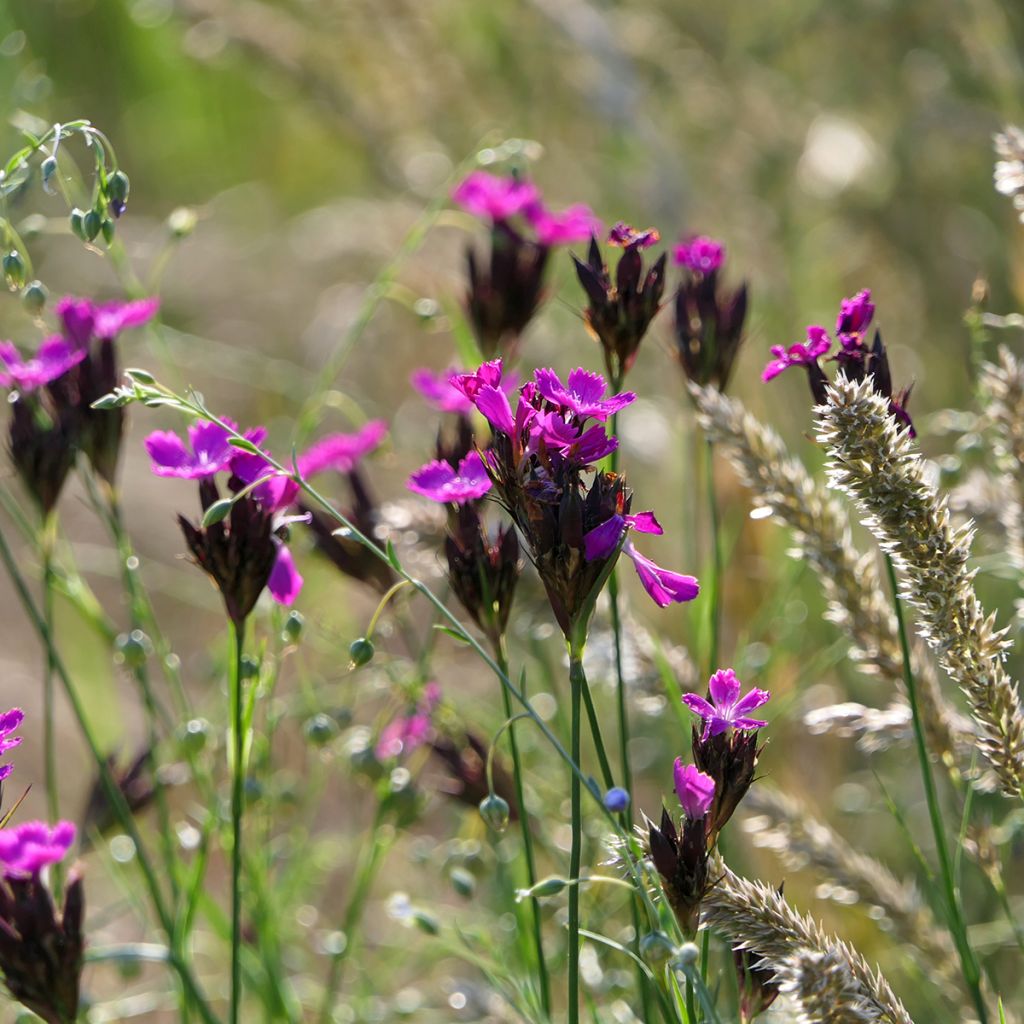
[[876, 729], [754, 916], [823, 988], [1002, 392], [784, 825], [873, 460], [857, 602]]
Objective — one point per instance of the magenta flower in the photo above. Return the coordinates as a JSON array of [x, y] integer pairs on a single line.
[[625, 236], [275, 491], [726, 709], [28, 848], [439, 391], [574, 224], [694, 789], [701, 254], [601, 541], [662, 585], [407, 732], [211, 453], [492, 197], [854, 318], [564, 438], [84, 320], [53, 359], [582, 394], [9, 721], [470, 384], [818, 343], [341, 452], [285, 581], [441, 482]]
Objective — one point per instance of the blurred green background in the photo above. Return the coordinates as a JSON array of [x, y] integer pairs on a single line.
[[831, 146]]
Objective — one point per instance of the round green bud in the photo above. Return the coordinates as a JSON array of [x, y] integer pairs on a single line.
[[656, 948], [320, 730], [91, 224], [687, 955], [549, 886], [463, 882], [34, 296], [426, 922], [132, 649], [107, 229], [293, 627], [195, 735], [495, 812], [250, 667], [14, 269], [118, 186], [47, 169], [77, 220], [182, 222], [361, 652]]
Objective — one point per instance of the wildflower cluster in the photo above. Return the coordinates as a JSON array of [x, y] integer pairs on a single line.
[[856, 358], [725, 754], [53, 391], [536, 465], [505, 293]]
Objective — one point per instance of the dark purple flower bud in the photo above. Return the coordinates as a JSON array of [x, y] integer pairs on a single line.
[[41, 951], [709, 318], [43, 442], [504, 295], [756, 985], [681, 859], [483, 572], [619, 312], [239, 553]]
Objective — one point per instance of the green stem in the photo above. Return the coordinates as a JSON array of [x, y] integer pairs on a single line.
[[577, 684], [622, 708], [714, 583], [595, 731], [113, 794], [957, 926], [48, 538], [237, 703], [369, 863], [501, 657]]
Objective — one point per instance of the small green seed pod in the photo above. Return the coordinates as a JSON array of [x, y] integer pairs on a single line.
[[495, 812], [361, 652]]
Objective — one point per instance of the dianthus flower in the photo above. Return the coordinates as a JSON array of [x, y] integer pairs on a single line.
[[504, 294], [725, 747], [709, 317], [40, 950], [620, 311], [241, 551], [539, 455], [403, 734], [680, 855], [855, 356], [52, 418], [9, 721]]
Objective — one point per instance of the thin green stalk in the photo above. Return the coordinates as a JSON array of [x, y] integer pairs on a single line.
[[622, 709], [577, 684], [369, 863], [595, 730], [237, 632], [114, 795], [714, 582], [543, 979], [47, 541], [957, 926]]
